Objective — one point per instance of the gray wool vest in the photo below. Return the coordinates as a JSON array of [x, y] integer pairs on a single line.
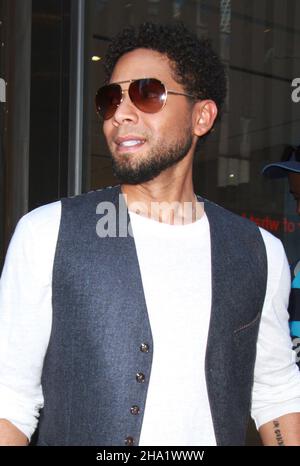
[[98, 363]]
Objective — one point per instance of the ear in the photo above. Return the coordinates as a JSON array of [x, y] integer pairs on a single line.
[[204, 115]]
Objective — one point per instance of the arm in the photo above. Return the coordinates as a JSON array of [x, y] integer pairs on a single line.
[[283, 431], [11, 435], [276, 387], [25, 322]]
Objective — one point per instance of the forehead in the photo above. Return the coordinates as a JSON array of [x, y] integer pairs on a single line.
[[142, 63]]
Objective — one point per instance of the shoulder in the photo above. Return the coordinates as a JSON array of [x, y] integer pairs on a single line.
[[224, 215], [278, 268], [110, 193], [38, 229], [234, 229], [41, 219], [49, 215], [44, 215], [33, 243], [273, 245]]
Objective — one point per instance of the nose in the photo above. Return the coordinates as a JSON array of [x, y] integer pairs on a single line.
[[126, 111]]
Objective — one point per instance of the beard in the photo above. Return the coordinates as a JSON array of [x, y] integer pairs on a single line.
[[131, 170]]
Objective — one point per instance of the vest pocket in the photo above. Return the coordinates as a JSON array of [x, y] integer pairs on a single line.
[[244, 344], [248, 326]]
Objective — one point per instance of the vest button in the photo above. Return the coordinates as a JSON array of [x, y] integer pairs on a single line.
[[135, 410], [140, 377], [144, 348], [129, 441]]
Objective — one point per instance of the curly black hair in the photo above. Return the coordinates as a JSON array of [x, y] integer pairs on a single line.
[[196, 66]]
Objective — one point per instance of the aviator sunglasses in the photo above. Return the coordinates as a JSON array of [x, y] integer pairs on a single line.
[[148, 95]]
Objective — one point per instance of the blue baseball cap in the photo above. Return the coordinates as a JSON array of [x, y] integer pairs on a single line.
[[290, 163]]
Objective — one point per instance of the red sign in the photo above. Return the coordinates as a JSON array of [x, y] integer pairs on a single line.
[[271, 224]]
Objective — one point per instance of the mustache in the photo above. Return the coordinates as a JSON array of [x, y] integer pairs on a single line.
[[129, 131]]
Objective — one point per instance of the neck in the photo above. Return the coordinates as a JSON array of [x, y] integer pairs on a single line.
[[167, 198]]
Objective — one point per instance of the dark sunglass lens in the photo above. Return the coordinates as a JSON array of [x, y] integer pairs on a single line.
[[107, 100], [148, 95]]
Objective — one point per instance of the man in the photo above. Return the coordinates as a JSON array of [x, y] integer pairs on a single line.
[[289, 167], [141, 314]]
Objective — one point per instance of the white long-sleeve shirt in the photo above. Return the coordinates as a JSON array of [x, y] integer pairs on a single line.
[[177, 388]]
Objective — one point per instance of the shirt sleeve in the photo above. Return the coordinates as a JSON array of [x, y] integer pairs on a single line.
[[26, 315], [276, 388]]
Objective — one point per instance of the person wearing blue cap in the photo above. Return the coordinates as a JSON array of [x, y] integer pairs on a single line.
[[289, 167]]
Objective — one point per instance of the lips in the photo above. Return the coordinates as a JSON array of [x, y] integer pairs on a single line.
[[129, 142]]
